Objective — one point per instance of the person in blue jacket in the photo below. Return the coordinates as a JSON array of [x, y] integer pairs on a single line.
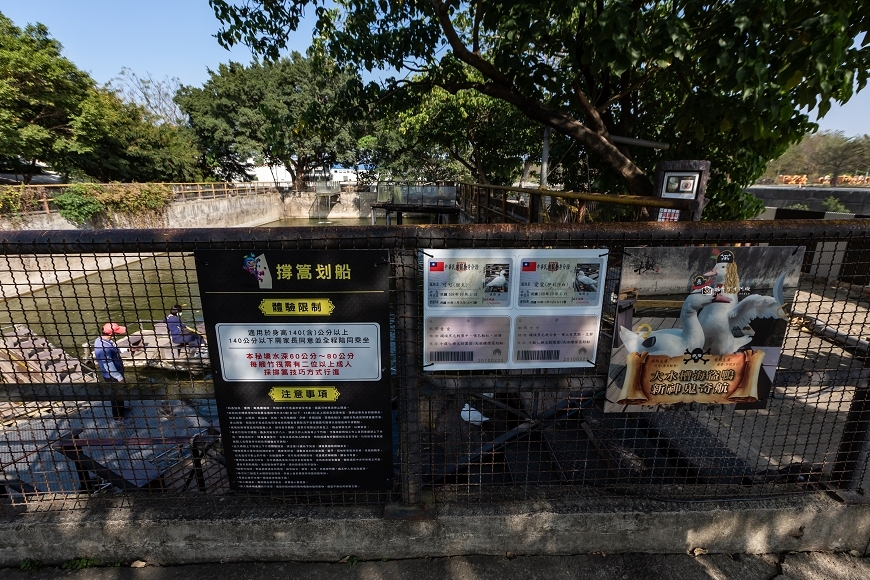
[[178, 332], [108, 358]]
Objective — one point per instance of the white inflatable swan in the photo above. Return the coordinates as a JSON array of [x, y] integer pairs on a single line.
[[726, 312], [673, 341]]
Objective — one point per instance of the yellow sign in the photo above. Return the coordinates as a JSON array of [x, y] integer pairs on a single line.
[[297, 306], [663, 380], [304, 394]]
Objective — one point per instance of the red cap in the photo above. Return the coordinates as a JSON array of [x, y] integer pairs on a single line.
[[113, 328]]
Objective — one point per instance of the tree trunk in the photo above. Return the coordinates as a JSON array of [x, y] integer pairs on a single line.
[[27, 176], [596, 143], [527, 167]]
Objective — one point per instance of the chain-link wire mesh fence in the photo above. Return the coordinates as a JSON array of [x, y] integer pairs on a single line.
[[70, 439]]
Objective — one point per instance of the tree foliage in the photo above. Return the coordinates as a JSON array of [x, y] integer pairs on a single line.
[[40, 94], [486, 136], [285, 112], [111, 140], [726, 82], [829, 153], [52, 112]]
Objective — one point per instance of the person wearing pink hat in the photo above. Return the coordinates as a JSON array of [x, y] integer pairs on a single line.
[[108, 358]]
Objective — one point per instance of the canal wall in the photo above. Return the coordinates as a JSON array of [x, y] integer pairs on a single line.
[[344, 205], [223, 212], [856, 199], [22, 274]]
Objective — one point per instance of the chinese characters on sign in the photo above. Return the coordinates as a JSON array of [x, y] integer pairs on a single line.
[[299, 352], [478, 307], [302, 375]]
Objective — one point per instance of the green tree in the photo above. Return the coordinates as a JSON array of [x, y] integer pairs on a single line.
[[387, 152], [287, 112], [40, 94], [51, 112], [110, 140], [487, 136], [829, 153], [721, 81], [226, 118], [307, 114]]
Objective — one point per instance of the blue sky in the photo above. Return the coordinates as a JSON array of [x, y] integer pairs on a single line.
[[174, 38]]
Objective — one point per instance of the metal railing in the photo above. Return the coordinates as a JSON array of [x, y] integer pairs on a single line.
[[547, 435], [417, 193], [504, 204]]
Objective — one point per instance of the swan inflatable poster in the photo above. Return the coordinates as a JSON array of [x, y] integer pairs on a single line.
[[707, 325]]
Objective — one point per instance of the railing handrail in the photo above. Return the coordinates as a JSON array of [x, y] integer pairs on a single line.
[[618, 199]]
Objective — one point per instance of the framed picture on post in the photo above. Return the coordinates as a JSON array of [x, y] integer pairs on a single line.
[[682, 180]]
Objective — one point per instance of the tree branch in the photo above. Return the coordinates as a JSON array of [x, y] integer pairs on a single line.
[[631, 88], [478, 16], [596, 122], [461, 51]]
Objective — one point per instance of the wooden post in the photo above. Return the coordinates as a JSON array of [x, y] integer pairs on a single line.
[[682, 180], [504, 206]]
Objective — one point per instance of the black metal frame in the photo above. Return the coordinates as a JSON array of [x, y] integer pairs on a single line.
[[671, 450]]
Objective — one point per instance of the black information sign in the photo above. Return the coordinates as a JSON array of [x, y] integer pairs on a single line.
[[302, 376]]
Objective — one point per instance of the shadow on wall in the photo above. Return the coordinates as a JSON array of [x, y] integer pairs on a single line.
[[322, 205]]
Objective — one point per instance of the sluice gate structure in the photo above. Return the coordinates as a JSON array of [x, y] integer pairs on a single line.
[[527, 459]]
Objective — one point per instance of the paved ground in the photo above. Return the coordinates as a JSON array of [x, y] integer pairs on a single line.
[[796, 566]]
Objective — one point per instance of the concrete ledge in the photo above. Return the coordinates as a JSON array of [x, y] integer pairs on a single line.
[[815, 522]]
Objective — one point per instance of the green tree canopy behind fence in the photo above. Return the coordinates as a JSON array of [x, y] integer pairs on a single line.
[[727, 82]]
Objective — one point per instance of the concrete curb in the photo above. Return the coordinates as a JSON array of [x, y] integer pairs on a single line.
[[612, 526]]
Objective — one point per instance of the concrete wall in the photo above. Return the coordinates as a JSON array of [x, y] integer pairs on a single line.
[[856, 200], [344, 205], [311, 533], [23, 274], [229, 212], [36, 221]]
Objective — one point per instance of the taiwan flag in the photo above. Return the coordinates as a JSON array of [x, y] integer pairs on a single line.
[[529, 266], [436, 266]]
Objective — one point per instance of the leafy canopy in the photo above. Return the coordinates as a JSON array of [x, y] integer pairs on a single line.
[[726, 82], [285, 112], [52, 112]]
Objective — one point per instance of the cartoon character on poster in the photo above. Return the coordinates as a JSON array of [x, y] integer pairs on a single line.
[[257, 267], [726, 327]]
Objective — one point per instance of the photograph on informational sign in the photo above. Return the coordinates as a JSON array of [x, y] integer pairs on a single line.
[[700, 325], [680, 185]]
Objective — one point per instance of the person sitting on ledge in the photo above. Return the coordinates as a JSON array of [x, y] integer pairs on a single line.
[[178, 332]]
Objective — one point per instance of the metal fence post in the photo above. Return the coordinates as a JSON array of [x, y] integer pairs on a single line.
[[854, 448], [407, 362]]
